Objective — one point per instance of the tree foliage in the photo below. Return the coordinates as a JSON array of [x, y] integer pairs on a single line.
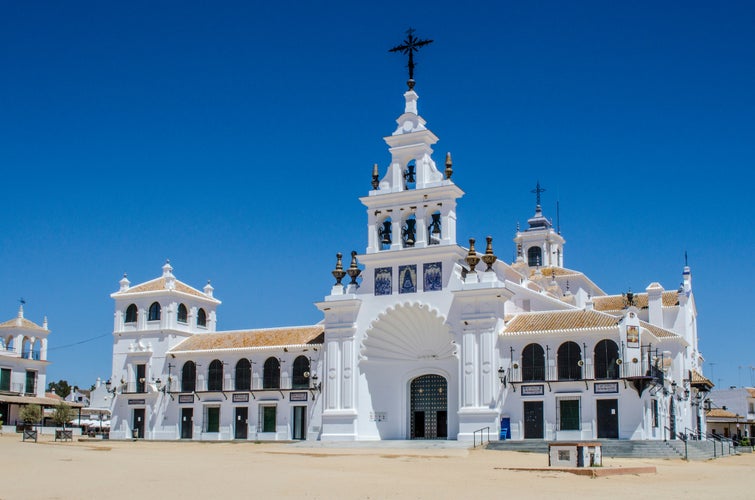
[[62, 414], [61, 388], [31, 414]]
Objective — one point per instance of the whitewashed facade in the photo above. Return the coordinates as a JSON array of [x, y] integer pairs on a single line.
[[421, 339], [23, 365]]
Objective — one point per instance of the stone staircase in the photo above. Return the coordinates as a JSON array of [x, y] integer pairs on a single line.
[[614, 448]]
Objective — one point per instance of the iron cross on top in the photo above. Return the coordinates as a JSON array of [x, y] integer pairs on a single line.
[[410, 46]]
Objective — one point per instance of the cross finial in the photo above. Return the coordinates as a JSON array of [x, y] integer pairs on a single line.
[[21, 301], [537, 192], [410, 46]]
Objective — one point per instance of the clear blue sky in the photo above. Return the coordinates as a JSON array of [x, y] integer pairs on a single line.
[[235, 137]]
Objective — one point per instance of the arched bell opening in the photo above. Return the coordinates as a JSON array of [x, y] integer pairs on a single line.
[[410, 175], [385, 237], [409, 231], [435, 229], [534, 257], [428, 407]]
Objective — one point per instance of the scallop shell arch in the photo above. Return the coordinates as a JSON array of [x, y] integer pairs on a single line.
[[408, 332]]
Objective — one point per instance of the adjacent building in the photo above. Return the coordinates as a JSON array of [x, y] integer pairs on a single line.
[[23, 366]]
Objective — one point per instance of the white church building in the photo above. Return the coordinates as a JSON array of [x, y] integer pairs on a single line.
[[421, 338]]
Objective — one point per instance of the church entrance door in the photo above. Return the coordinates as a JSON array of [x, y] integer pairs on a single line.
[[608, 418], [138, 423], [533, 420], [242, 418], [429, 407], [187, 417]]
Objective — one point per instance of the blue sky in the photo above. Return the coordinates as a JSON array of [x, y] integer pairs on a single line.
[[235, 139]]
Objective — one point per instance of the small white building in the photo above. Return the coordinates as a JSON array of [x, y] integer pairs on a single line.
[[425, 339], [23, 366]]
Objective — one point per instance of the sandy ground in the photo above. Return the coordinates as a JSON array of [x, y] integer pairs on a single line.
[[145, 470]]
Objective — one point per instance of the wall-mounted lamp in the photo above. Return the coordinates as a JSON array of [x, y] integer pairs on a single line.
[[109, 388], [502, 376]]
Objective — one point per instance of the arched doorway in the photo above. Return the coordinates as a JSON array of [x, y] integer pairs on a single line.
[[428, 411]]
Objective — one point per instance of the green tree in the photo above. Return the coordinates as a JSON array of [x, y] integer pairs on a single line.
[[61, 388], [31, 414], [62, 414]]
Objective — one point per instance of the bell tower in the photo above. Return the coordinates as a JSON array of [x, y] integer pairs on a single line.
[[539, 245], [414, 204]]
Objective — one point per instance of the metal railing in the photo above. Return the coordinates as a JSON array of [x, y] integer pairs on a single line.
[[486, 430]]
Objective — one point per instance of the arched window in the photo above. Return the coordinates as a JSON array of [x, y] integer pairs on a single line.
[[301, 373], [569, 361], [215, 376], [182, 313], [154, 312], [10, 344], [434, 229], [533, 363], [36, 349], [201, 318], [131, 313], [534, 257], [384, 234], [605, 355], [189, 377], [243, 375], [2, 344], [271, 374], [25, 347], [409, 231]]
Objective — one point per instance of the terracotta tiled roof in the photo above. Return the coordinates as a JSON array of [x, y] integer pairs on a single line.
[[698, 379], [550, 271], [244, 339], [659, 332], [560, 321], [159, 284], [720, 413], [616, 302], [25, 323]]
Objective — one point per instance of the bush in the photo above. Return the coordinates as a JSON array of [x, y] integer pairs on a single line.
[[31, 414]]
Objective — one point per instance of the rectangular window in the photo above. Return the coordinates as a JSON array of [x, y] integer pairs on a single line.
[[31, 382], [212, 418], [141, 380], [268, 418], [568, 414], [655, 413], [5, 379]]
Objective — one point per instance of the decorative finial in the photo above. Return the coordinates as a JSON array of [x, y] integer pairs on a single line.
[[354, 270], [489, 258], [124, 283], [375, 176], [338, 272], [472, 258], [44, 323], [21, 301], [537, 192], [410, 46], [449, 166], [208, 289], [686, 264]]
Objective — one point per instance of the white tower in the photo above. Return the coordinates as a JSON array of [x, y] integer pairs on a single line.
[[539, 245]]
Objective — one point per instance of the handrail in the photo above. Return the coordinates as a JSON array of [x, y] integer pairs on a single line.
[[474, 436]]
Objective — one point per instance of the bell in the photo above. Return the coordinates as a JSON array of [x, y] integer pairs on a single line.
[[385, 233], [410, 232], [409, 173], [435, 229]]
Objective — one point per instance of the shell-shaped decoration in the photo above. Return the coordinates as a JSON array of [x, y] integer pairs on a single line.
[[409, 332]]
